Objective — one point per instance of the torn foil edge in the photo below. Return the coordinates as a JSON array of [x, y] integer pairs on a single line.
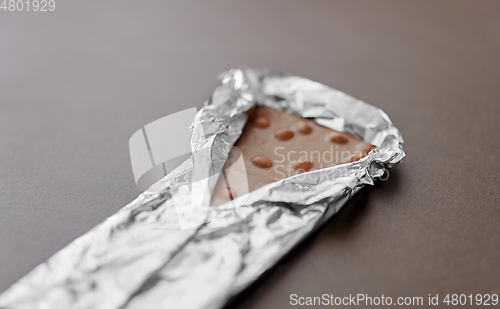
[[141, 257]]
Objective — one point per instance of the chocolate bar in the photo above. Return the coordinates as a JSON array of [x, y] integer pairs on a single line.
[[276, 145]]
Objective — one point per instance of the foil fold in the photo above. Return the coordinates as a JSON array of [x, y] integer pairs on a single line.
[[168, 248]]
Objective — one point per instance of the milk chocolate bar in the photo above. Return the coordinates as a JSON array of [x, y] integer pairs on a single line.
[[276, 145]]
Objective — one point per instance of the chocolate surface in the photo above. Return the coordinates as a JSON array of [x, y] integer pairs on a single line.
[[285, 146]]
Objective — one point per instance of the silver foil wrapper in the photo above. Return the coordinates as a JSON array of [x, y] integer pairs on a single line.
[[166, 249]]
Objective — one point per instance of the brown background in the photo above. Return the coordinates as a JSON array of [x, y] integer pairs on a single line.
[[76, 83]]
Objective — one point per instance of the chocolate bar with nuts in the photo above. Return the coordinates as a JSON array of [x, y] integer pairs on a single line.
[[276, 145]]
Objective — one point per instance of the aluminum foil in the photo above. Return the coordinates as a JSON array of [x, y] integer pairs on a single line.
[[167, 249]]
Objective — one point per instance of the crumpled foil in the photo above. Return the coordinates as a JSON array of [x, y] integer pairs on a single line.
[[167, 250]]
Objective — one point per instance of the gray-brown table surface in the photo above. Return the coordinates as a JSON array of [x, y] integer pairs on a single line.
[[76, 83]]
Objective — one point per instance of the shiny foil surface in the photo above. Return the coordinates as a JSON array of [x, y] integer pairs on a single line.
[[168, 249]]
